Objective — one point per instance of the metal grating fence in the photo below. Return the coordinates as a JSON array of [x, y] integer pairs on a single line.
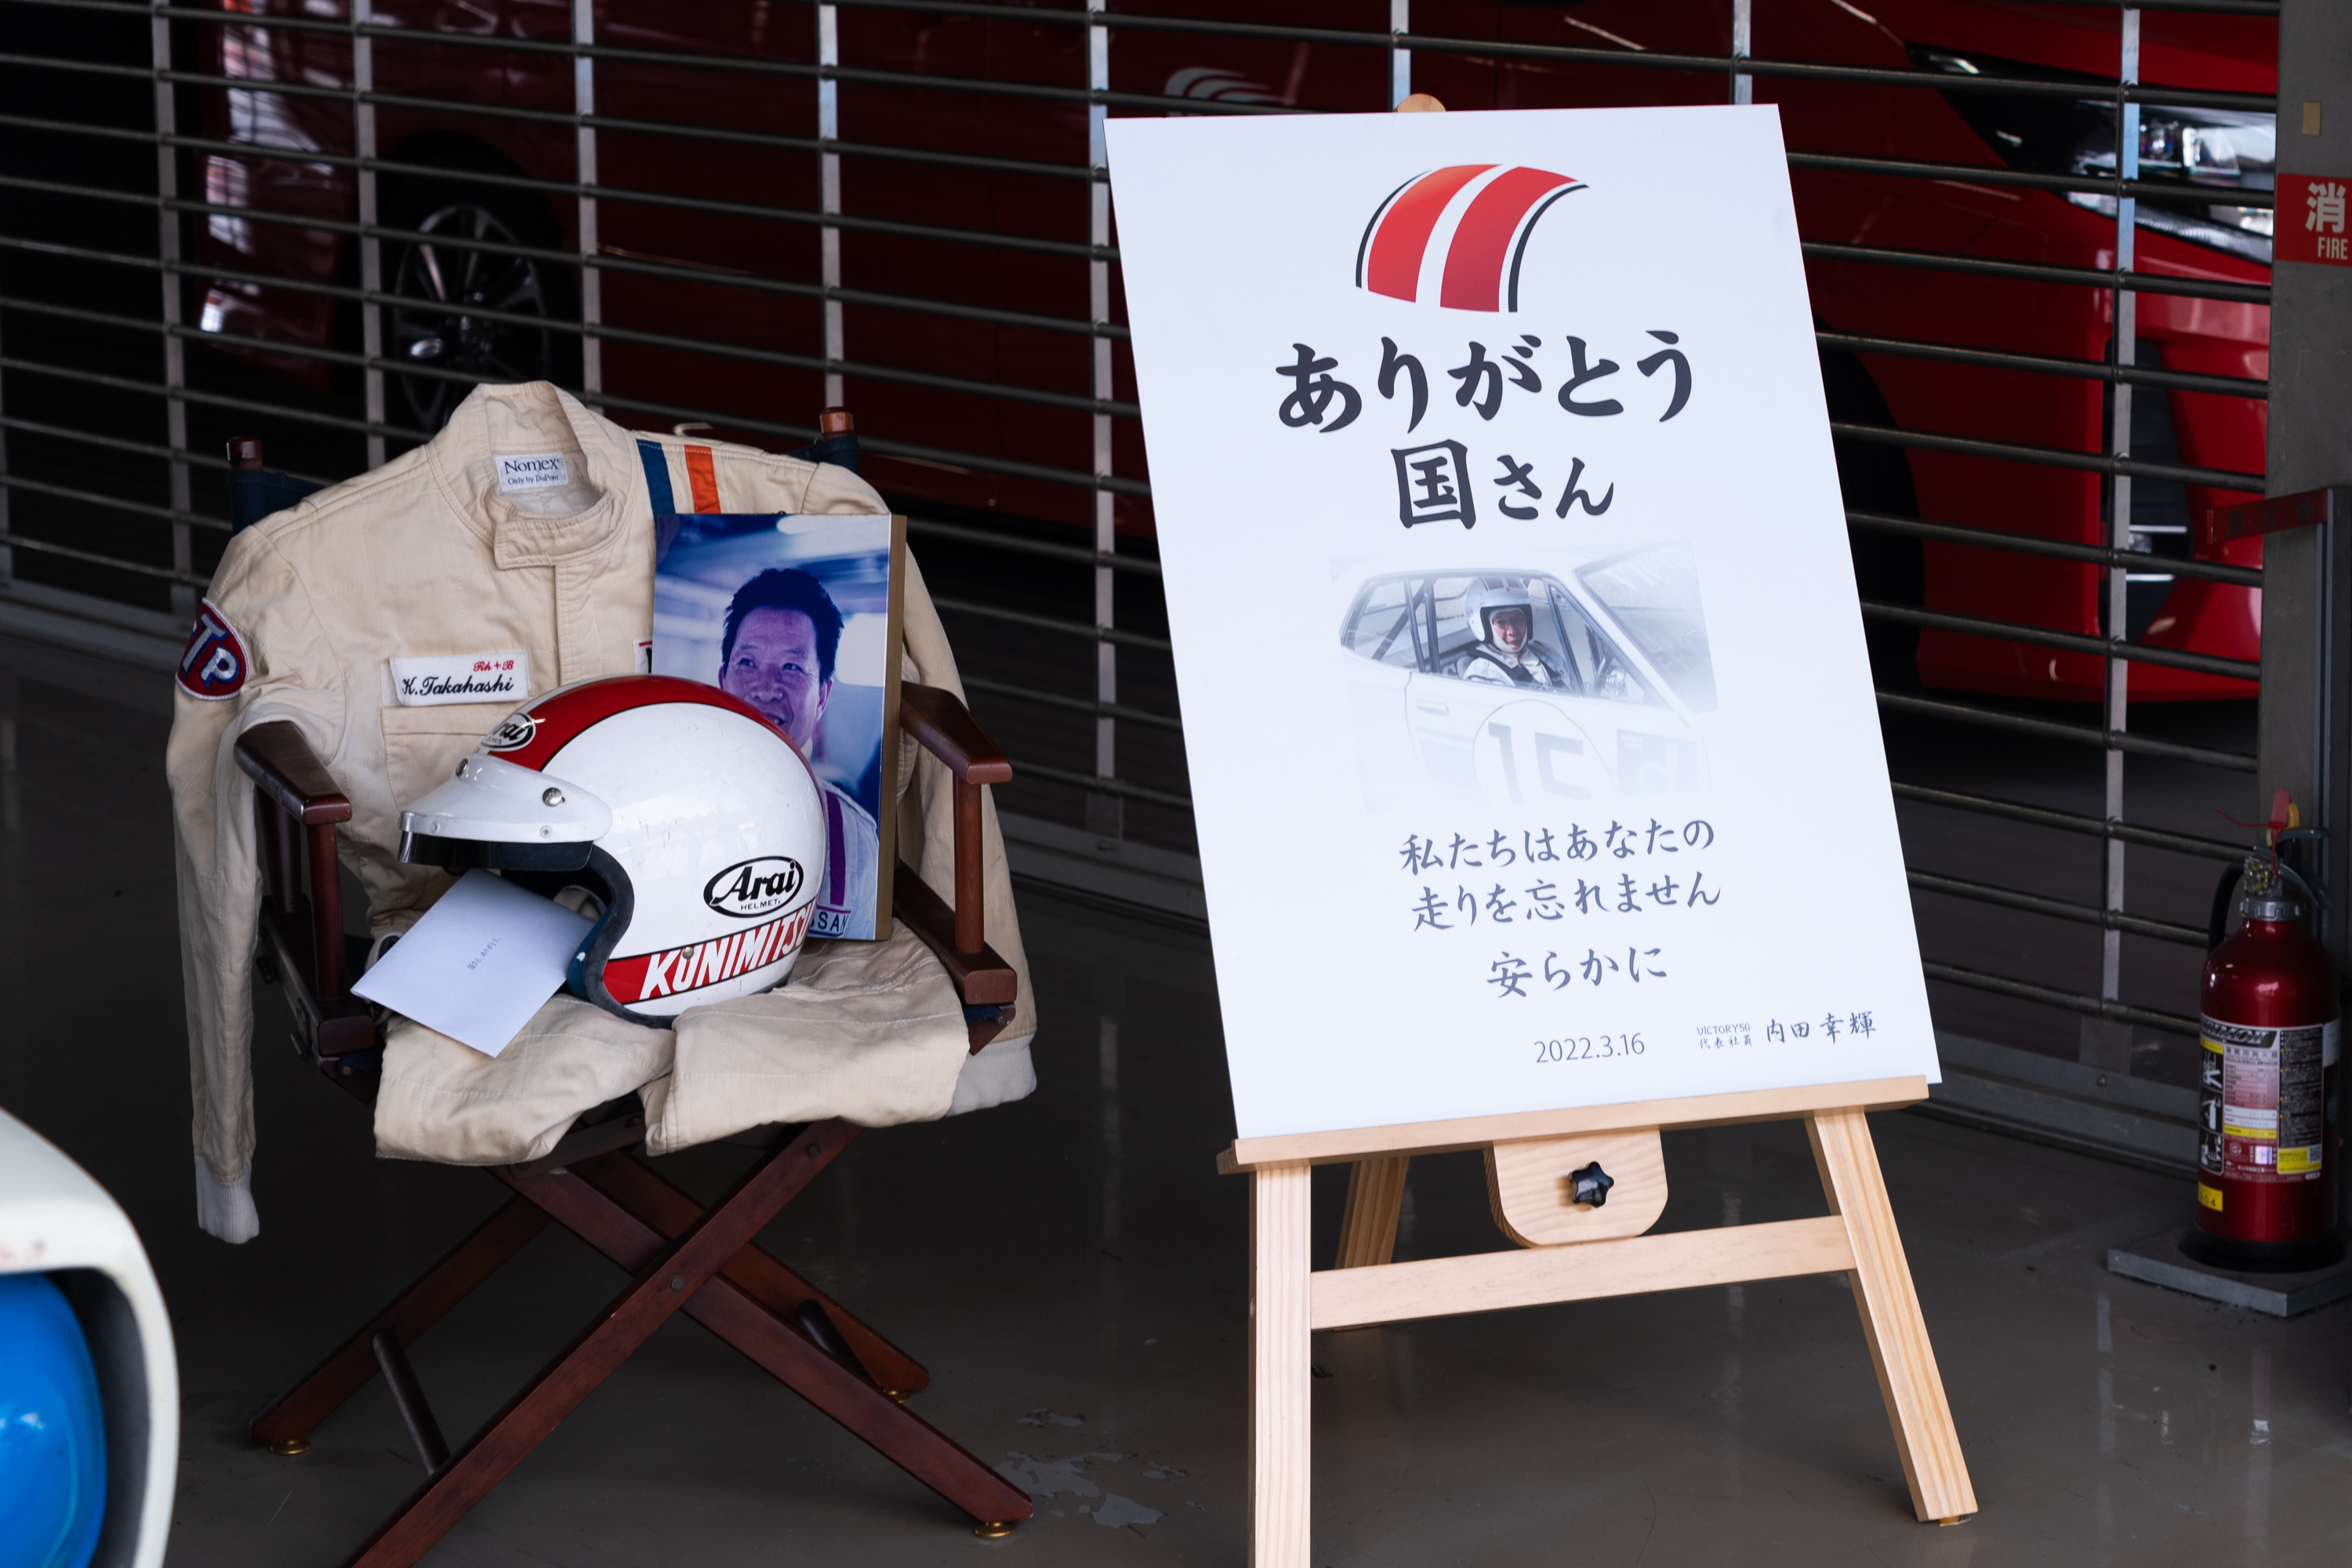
[[310, 219]]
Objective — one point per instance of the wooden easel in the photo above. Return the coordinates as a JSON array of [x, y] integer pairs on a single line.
[[1572, 1254]]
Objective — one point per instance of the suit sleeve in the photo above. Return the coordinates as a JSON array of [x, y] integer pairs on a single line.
[[262, 620]]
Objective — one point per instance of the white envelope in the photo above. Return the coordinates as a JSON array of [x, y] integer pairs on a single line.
[[479, 964]]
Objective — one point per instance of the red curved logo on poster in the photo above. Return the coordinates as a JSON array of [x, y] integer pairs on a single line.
[[1481, 270]]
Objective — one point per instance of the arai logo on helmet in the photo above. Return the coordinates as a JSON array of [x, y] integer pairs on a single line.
[[751, 888], [514, 731]]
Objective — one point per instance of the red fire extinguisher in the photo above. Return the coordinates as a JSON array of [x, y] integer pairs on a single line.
[[2265, 1182]]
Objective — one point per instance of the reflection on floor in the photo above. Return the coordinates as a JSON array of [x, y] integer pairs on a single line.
[[1072, 1270]]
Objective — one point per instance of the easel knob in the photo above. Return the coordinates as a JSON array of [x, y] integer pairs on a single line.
[[1588, 1185]]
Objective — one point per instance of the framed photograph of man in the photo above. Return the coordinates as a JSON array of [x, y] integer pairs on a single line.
[[799, 617]]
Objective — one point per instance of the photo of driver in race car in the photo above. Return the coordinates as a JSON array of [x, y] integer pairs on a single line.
[[1509, 683], [1503, 617]]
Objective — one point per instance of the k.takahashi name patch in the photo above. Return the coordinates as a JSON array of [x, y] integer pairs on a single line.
[[430, 682]]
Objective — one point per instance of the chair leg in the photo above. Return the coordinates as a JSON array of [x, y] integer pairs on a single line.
[[669, 1279], [295, 1413], [750, 1326], [654, 1200]]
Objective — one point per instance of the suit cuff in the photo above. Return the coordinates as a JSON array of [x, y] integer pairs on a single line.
[[226, 1208]]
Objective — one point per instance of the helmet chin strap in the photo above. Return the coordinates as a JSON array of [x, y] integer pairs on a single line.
[[584, 976], [575, 974]]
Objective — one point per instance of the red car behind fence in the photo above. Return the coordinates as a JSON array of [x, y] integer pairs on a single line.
[[971, 333]]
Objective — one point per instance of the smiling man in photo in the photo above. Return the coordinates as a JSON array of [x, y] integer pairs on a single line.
[[777, 654]]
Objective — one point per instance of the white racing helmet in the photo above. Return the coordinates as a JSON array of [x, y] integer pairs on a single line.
[[692, 821], [1487, 595]]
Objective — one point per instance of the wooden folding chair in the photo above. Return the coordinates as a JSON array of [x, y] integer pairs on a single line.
[[681, 1256]]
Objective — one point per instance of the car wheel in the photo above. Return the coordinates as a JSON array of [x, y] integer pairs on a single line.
[[475, 347]]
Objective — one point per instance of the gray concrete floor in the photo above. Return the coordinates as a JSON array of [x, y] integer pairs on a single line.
[[1072, 1270]]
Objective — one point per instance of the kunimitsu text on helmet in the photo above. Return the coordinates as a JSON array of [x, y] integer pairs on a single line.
[[682, 811]]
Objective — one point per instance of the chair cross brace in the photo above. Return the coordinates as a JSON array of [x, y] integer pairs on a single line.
[[408, 1396], [682, 1257]]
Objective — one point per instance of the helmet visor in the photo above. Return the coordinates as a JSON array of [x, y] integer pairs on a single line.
[[501, 815]]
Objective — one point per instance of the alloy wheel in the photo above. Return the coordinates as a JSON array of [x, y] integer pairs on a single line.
[[478, 347]]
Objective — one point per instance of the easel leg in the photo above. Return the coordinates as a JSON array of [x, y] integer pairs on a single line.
[[1375, 1196], [1280, 1375], [1906, 1362]]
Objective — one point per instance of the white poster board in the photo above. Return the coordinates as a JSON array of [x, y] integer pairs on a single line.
[[1530, 730]]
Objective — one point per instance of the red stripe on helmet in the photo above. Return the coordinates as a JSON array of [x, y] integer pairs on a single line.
[[625, 978], [1482, 249], [559, 717], [643, 976], [1393, 268]]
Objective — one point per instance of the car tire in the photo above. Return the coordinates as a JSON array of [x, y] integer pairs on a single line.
[[1888, 568], [473, 348]]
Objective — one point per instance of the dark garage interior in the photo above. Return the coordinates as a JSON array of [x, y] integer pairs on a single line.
[[215, 226]]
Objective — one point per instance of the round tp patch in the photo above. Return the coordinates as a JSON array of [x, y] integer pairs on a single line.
[[213, 668]]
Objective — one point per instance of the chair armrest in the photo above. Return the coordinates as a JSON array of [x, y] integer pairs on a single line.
[[296, 789], [276, 757], [958, 935], [981, 978], [949, 731]]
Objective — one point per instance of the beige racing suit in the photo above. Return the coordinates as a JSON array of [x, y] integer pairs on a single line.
[[394, 619]]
